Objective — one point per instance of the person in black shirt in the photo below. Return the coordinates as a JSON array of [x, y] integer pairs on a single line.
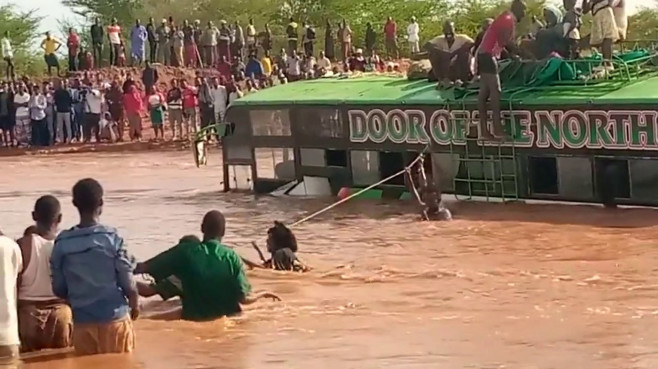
[[7, 116], [291, 32], [371, 39], [149, 77], [97, 36], [64, 108], [309, 39], [152, 39]]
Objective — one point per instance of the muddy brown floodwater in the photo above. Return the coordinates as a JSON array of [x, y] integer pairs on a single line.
[[502, 286]]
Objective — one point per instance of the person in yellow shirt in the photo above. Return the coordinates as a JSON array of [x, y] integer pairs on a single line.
[[50, 46], [267, 63]]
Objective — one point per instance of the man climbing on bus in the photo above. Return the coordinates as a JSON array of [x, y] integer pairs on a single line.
[[500, 35]]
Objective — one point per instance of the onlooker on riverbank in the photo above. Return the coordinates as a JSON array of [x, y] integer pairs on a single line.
[[133, 104], [23, 123], [175, 109], [38, 104], [138, 38], [50, 46], [73, 44], [157, 106], [93, 108], [114, 37], [97, 37], [64, 108], [7, 54]]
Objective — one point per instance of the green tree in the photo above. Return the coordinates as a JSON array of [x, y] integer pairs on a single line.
[[22, 27]]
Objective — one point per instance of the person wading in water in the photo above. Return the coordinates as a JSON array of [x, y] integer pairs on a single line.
[[91, 270], [208, 276], [45, 321]]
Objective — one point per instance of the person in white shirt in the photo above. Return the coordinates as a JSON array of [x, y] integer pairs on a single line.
[[324, 62], [93, 105], [12, 263], [293, 68], [413, 31], [23, 122], [7, 54], [38, 104], [251, 36], [45, 321], [220, 99]]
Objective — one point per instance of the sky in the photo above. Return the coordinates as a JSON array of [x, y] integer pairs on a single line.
[[53, 10]]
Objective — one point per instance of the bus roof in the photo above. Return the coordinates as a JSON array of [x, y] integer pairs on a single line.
[[394, 90]]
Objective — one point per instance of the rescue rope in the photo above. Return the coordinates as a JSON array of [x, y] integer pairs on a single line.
[[406, 169]]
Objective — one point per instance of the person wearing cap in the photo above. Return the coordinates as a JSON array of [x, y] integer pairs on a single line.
[[163, 32], [413, 30]]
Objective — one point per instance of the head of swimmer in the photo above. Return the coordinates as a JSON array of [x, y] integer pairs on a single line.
[[88, 199], [280, 237], [213, 225], [518, 9]]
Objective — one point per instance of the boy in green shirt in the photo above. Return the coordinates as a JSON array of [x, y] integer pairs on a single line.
[[211, 276]]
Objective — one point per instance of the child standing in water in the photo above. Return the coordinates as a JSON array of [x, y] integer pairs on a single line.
[[91, 270]]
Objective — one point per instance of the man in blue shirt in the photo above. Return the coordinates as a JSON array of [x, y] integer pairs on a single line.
[[254, 68], [91, 270]]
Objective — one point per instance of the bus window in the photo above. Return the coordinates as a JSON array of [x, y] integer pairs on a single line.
[[365, 167], [275, 163], [389, 164], [543, 175], [336, 158], [270, 122]]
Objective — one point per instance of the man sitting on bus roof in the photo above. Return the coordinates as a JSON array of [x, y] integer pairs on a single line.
[[450, 55]]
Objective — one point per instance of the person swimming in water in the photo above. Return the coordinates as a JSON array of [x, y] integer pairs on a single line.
[[282, 246]]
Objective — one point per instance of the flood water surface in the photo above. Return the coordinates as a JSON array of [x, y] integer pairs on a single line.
[[502, 286]]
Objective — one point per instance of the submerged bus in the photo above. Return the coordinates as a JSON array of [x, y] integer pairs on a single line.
[[570, 136]]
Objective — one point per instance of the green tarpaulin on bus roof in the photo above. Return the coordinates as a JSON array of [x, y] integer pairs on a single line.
[[531, 89]]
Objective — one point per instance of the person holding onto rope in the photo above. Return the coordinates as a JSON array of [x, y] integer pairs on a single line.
[[282, 246], [212, 280]]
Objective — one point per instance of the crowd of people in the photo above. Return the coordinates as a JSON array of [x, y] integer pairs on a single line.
[[85, 110], [91, 109], [79, 287]]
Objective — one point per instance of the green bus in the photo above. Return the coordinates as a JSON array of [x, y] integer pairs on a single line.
[[572, 137]]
